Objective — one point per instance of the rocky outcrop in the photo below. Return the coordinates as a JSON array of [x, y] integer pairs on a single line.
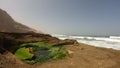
[[8, 60], [9, 40], [67, 42]]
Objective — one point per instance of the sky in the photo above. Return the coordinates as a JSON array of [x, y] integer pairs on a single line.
[[71, 17]]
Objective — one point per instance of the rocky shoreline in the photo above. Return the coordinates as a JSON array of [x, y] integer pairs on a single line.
[[80, 56], [10, 40]]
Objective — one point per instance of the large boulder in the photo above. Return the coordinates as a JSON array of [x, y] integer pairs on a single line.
[[67, 42]]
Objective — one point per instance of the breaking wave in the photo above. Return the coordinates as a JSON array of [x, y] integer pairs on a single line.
[[107, 42]]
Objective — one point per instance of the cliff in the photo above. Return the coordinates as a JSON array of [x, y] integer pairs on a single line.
[[7, 24]]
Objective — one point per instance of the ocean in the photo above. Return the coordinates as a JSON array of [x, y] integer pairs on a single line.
[[106, 42]]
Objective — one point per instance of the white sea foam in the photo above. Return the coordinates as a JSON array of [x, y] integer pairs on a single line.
[[107, 42], [115, 37]]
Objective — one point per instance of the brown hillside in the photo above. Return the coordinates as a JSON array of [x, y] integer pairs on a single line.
[[7, 24]]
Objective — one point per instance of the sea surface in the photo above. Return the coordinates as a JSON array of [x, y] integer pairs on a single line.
[[106, 42]]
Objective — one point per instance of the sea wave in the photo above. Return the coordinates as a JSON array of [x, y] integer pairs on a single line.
[[109, 39], [115, 37], [107, 42]]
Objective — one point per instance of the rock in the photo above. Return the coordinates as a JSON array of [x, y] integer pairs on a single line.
[[2, 50], [8, 60], [70, 53], [10, 40], [67, 42]]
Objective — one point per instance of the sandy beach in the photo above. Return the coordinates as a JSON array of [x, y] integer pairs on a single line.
[[85, 56]]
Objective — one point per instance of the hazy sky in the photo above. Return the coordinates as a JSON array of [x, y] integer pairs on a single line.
[[80, 17]]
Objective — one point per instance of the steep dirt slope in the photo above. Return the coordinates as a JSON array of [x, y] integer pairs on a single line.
[[7, 24]]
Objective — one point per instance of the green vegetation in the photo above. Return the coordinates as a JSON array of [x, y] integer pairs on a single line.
[[39, 52], [23, 53], [57, 52]]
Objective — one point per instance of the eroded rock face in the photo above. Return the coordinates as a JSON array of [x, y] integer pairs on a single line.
[[9, 40]]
